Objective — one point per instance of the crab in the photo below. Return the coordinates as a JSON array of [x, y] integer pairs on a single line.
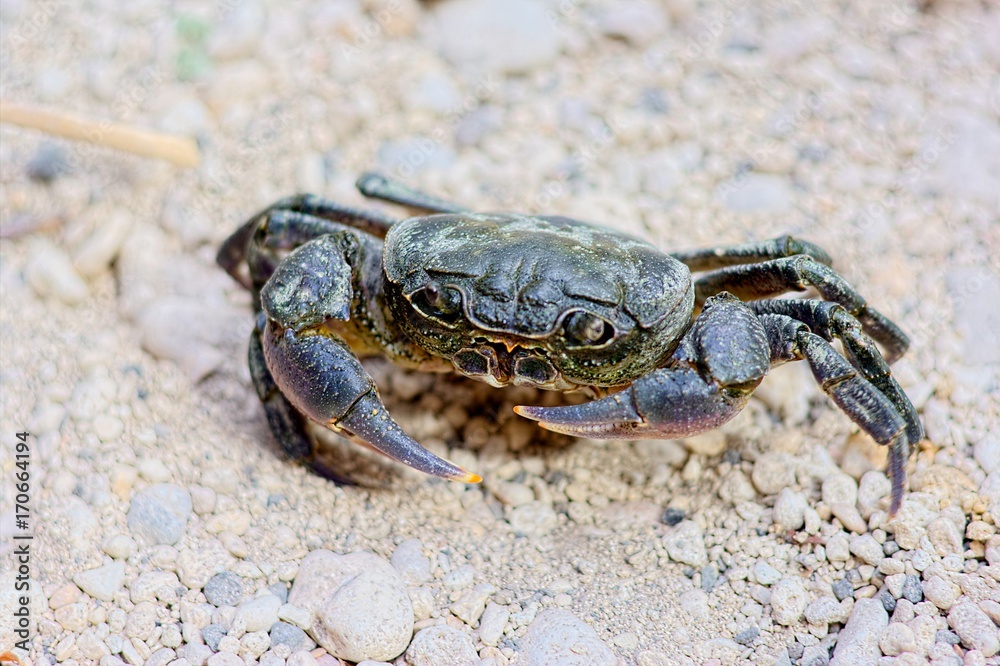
[[665, 345]]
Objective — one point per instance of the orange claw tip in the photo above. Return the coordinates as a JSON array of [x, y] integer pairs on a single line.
[[467, 477]]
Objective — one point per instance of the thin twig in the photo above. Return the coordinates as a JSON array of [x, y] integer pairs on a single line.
[[182, 151]]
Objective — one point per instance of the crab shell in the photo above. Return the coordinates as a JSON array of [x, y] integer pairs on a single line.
[[521, 279]]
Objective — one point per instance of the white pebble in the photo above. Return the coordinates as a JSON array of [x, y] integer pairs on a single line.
[[765, 573], [159, 513], [492, 623], [867, 549], [441, 645], [102, 582], [974, 627], [940, 592], [97, 252], [840, 489], [636, 21], [686, 544], [51, 274], [858, 641], [773, 472], [360, 604], [788, 601], [534, 519], [789, 510], [509, 36], [260, 613], [559, 638]]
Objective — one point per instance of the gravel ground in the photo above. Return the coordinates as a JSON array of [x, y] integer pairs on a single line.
[[169, 531]]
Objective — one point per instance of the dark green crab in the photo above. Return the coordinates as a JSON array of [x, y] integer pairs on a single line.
[[549, 302]]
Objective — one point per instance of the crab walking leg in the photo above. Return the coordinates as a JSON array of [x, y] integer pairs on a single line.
[[322, 377], [377, 186], [296, 219], [719, 362], [777, 276], [857, 397], [832, 321], [711, 258]]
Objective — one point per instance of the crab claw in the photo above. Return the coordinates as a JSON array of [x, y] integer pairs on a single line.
[[368, 423], [665, 404], [320, 375]]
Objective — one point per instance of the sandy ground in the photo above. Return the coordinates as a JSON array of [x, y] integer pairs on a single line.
[[872, 130]]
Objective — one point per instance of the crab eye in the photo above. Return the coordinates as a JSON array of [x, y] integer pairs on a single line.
[[436, 300], [586, 330]]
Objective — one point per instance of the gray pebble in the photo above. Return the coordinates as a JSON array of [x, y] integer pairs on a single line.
[[912, 591], [888, 601], [158, 514], [947, 636], [672, 516], [279, 590], [843, 589], [212, 634], [858, 640], [974, 627], [283, 633], [559, 638], [48, 163], [709, 577], [441, 644], [224, 589], [102, 582], [747, 636]]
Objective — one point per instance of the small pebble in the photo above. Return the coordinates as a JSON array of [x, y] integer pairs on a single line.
[[685, 544], [672, 516], [843, 589], [533, 520], [765, 574], [940, 592], [48, 163], [158, 514], [747, 636], [492, 623], [283, 633], [857, 642], [559, 638], [360, 604], [790, 510], [51, 274], [974, 627], [825, 610], [867, 549], [638, 22], [896, 639], [773, 472], [788, 601], [224, 589], [441, 645], [102, 582], [260, 613], [212, 634], [912, 590]]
